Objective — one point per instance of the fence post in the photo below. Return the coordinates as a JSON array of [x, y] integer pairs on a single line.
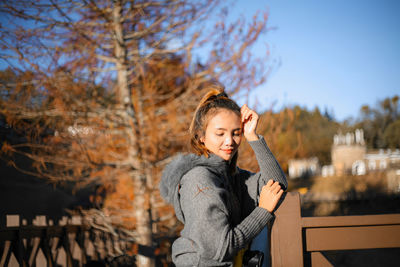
[[12, 220], [286, 233]]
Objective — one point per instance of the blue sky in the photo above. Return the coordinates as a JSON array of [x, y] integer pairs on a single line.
[[334, 54]]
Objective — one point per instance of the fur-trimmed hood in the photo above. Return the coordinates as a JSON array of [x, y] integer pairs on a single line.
[[180, 165]]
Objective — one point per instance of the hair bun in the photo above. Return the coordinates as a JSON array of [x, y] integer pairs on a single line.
[[223, 94], [216, 96]]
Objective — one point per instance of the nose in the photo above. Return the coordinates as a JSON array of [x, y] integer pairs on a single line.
[[229, 140]]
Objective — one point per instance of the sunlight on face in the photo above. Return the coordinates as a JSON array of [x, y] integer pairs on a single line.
[[223, 134]]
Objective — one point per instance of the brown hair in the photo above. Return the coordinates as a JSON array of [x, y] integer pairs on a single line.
[[209, 105]]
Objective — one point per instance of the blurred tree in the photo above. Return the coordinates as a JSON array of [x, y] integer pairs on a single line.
[[329, 114], [104, 90], [379, 123], [294, 133], [392, 134]]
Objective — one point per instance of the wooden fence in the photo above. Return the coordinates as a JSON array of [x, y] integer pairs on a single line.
[[70, 243], [294, 238]]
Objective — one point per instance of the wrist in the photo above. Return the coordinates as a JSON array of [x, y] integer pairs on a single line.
[[251, 137], [266, 208]]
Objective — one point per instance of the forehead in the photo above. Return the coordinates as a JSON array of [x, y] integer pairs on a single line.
[[224, 118]]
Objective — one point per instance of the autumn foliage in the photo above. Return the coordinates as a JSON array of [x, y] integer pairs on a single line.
[[102, 92], [291, 133]]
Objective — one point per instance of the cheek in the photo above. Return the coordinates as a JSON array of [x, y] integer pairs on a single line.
[[210, 140], [216, 140]]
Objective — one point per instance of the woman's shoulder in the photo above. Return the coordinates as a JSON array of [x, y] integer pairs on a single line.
[[202, 175]]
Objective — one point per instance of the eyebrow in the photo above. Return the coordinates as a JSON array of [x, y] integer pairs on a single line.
[[226, 129]]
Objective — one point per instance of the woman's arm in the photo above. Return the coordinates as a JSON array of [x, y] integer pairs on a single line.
[[251, 184], [207, 222], [269, 166]]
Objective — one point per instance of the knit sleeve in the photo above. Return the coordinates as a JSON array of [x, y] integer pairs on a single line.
[[269, 166], [207, 221], [269, 169]]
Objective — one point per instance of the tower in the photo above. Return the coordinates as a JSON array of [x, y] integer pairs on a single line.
[[346, 150]]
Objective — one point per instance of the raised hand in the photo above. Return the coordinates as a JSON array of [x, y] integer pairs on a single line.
[[249, 122]]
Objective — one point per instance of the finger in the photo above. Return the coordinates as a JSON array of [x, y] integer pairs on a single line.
[[279, 194], [253, 114], [245, 114], [269, 183], [273, 182], [243, 117], [276, 189], [248, 118], [243, 108]]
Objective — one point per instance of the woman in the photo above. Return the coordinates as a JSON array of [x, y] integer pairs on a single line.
[[221, 206]]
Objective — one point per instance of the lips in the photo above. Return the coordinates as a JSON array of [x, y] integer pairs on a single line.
[[228, 151]]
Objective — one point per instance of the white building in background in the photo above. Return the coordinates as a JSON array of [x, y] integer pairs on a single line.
[[303, 167], [348, 152], [327, 170], [349, 156], [382, 159], [358, 168]]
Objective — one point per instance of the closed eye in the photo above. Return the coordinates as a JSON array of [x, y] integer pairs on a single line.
[[237, 133]]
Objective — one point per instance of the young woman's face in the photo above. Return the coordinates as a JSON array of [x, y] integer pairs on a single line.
[[223, 134]]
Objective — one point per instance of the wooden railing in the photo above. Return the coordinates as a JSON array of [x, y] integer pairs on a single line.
[[70, 243], [293, 237]]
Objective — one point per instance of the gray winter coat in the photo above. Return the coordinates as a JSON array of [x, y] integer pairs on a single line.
[[219, 210]]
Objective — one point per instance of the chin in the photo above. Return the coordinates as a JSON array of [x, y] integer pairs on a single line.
[[228, 157], [224, 157]]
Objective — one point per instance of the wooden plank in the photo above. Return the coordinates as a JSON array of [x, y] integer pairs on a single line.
[[319, 260], [49, 245], [286, 236], [40, 220], [46, 245], [6, 253], [33, 253], [54, 231], [8, 234], [12, 220], [345, 238], [384, 219], [31, 232], [67, 248], [19, 251]]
